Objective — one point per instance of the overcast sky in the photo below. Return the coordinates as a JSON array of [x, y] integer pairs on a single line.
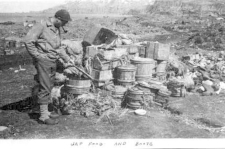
[[27, 5], [8, 6]]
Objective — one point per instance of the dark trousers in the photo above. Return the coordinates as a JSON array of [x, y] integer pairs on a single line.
[[46, 70]]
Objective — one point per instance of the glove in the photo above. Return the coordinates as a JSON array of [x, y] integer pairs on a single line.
[[70, 63], [72, 70]]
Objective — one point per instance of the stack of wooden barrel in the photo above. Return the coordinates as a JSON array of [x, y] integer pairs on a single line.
[[138, 99], [162, 97]]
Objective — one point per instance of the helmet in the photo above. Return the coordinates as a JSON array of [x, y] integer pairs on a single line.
[[63, 15]]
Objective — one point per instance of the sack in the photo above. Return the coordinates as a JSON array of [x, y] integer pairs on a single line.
[[188, 80], [73, 50], [73, 47]]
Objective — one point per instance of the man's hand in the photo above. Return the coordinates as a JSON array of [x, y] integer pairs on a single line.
[[70, 63], [72, 70]]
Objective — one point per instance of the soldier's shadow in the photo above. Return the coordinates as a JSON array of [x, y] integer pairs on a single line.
[[25, 106]]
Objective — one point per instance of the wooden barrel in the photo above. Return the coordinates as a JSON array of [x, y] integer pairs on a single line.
[[136, 99], [162, 97], [77, 86], [178, 91], [177, 88], [145, 68], [161, 67], [125, 75]]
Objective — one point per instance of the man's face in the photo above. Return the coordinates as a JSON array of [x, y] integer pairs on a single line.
[[63, 23], [60, 23]]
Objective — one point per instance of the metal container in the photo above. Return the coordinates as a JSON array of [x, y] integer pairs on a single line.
[[77, 86]]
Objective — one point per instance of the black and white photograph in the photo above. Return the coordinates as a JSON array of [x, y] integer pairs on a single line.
[[112, 73]]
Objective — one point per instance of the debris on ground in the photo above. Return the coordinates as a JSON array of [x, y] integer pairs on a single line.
[[114, 71], [121, 78], [7, 23], [20, 69], [3, 128]]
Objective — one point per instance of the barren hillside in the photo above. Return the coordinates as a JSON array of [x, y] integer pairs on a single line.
[[187, 7], [102, 6]]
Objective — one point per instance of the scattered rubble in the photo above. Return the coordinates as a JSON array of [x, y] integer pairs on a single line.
[[7, 23], [3, 128], [126, 72]]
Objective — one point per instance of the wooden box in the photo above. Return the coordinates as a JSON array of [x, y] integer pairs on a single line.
[[98, 35], [101, 76], [161, 51], [106, 54], [91, 51], [105, 65], [131, 49], [150, 48]]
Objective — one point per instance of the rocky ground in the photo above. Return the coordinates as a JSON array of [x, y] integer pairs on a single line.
[[194, 116]]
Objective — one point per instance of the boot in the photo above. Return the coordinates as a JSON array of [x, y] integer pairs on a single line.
[[45, 118], [36, 110], [53, 115]]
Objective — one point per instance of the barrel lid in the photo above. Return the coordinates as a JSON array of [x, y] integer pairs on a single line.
[[164, 92], [142, 60], [155, 82], [136, 90], [75, 87], [127, 67], [152, 86]]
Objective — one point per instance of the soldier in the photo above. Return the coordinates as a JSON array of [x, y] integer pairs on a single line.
[[43, 44]]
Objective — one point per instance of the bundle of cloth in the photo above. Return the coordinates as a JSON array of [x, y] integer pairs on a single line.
[[71, 56]]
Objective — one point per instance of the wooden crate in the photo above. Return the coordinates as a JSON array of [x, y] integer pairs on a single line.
[[91, 51], [142, 51], [131, 49], [98, 35], [105, 54], [161, 51], [101, 75], [105, 65], [150, 48]]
